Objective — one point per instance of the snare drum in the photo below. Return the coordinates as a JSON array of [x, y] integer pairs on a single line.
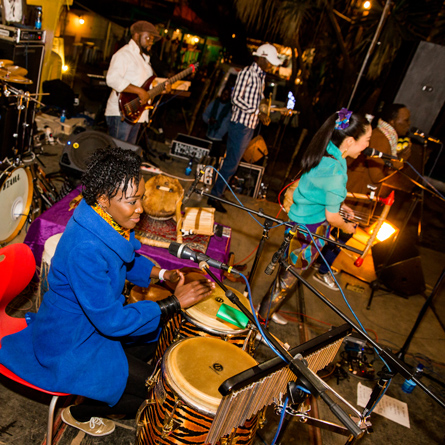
[[200, 320], [48, 252], [182, 403], [15, 201]]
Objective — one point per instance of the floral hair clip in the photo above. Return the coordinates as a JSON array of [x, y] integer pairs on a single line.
[[343, 119]]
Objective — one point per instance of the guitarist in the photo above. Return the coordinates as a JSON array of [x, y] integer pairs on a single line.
[[129, 68]]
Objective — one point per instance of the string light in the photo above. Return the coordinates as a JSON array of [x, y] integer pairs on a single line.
[[367, 5], [81, 20]]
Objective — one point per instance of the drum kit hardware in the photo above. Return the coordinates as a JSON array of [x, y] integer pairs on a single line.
[[23, 185]]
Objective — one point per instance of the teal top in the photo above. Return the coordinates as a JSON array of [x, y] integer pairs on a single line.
[[321, 188]]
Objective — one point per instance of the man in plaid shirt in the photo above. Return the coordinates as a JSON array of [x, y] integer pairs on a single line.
[[246, 99]]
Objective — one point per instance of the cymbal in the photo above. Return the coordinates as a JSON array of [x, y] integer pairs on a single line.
[[15, 79], [5, 62], [14, 69]]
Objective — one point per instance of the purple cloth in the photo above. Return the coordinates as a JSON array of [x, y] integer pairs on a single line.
[[55, 219]]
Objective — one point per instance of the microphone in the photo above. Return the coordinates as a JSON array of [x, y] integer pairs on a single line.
[[373, 153], [184, 252], [193, 186], [280, 252]]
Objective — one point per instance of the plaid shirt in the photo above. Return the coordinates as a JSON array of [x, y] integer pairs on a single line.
[[247, 95]]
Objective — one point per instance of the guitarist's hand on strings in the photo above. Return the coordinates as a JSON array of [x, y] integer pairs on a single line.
[[143, 96], [167, 88]]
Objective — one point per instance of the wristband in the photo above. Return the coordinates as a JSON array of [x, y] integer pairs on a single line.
[[161, 274], [169, 306]]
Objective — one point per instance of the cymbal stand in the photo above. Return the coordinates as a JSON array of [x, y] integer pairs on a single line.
[[23, 100]]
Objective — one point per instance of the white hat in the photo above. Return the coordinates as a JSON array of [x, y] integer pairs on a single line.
[[269, 52]]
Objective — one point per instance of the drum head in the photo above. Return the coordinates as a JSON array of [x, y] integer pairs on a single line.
[[162, 194], [15, 201], [205, 311], [196, 367]]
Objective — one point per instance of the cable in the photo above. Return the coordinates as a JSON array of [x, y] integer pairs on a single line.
[[426, 181], [258, 324], [343, 295], [280, 423]]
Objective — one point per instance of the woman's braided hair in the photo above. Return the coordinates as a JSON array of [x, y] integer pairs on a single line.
[[110, 169]]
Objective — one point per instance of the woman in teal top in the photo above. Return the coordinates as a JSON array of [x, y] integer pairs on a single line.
[[319, 196]]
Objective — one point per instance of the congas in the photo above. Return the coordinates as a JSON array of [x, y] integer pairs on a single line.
[[48, 252], [200, 321], [182, 403], [15, 201]]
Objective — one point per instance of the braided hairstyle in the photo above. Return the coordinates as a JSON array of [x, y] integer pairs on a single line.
[[110, 169], [317, 148]]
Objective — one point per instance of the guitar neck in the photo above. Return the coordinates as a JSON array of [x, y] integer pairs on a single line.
[[160, 87]]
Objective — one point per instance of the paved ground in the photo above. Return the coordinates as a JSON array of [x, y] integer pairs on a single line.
[[389, 321]]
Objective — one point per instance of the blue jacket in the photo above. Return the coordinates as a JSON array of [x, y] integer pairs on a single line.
[[73, 344]]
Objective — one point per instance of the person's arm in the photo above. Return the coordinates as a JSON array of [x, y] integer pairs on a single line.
[[336, 220], [224, 128], [206, 114], [116, 78], [247, 104]]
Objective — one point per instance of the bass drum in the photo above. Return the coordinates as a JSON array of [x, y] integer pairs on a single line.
[[15, 201]]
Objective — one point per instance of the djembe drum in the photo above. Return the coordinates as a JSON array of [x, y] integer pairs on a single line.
[[183, 398], [163, 201]]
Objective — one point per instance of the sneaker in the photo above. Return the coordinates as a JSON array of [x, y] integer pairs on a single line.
[[96, 426], [316, 266], [278, 319], [326, 280], [216, 205]]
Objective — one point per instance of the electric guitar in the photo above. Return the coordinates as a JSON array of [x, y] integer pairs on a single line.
[[130, 104]]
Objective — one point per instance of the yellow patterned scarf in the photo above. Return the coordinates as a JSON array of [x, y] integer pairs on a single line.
[[107, 217]]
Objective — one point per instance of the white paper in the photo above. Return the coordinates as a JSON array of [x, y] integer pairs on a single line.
[[388, 407]]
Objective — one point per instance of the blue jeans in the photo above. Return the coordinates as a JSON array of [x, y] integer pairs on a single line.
[[122, 130], [238, 139]]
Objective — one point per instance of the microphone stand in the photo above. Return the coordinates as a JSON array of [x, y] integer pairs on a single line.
[[306, 378], [266, 228], [392, 361]]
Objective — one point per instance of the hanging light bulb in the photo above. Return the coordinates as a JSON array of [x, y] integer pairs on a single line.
[[81, 20]]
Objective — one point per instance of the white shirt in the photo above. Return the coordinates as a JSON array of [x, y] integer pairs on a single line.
[[127, 66]]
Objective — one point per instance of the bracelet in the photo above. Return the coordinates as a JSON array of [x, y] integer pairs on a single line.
[[161, 274], [169, 306]]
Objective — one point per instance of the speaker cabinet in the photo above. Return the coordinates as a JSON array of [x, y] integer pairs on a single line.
[[28, 56], [81, 146], [400, 270], [416, 80]]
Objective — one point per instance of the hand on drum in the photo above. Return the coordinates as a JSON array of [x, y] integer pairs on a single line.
[[193, 292]]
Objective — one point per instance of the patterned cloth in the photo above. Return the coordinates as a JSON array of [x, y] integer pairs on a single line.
[[390, 133], [158, 230], [109, 219], [247, 95], [303, 251]]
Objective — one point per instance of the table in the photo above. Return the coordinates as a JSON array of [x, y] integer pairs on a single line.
[[55, 219]]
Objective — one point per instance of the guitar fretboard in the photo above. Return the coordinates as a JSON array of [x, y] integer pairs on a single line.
[[158, 89]]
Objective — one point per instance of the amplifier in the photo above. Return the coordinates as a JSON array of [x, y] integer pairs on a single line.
[[206, 163], [20, 35], [184, 146]]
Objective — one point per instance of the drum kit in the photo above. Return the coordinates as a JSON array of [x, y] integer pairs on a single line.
[[17, 178]]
